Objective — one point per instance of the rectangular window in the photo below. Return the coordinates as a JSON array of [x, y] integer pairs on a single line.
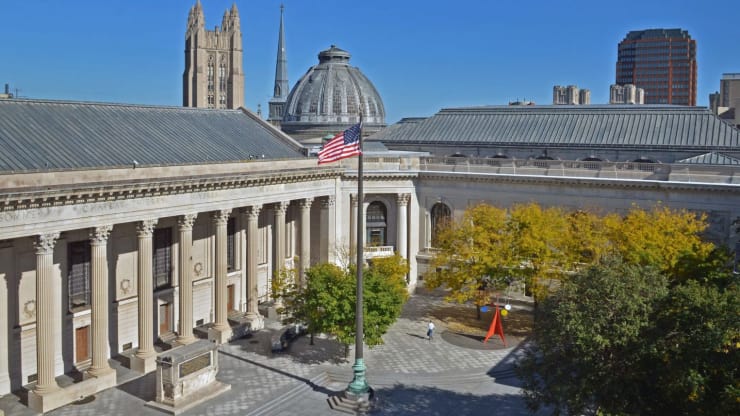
[[230, 244], [162, 257], [78, 274]]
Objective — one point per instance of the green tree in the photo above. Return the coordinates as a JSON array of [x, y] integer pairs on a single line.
[[623, 339], [583, 356], [326, 303], [694, 353]]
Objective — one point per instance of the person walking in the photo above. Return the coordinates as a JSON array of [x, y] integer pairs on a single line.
[[430, 330]]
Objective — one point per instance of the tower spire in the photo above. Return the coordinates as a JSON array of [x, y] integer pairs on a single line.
[[280, 93]]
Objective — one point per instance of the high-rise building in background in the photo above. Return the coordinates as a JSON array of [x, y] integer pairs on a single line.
[[213, 76], [626, 94], [281, 89], [726, 102], [570, 95], [660, 61]]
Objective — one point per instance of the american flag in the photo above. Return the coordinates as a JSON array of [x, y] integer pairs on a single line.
[[343, 145]]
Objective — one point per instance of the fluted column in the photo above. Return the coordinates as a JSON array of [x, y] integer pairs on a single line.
[[253, 213], [46, 304], [353, 228], [402, 225], [278, 210], [305, 239], [4, 312], [99, 265], [327, 229], [221, 329], [144, 357], [185, 270]]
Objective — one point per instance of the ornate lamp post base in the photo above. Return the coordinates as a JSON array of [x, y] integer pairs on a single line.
[[359, 385]]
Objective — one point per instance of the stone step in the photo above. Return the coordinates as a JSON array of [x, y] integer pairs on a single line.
[[268, 408]]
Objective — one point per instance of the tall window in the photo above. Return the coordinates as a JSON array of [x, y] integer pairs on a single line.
[[162, 257], [78, 274], [230, 246], [376, 224], [222, 83], [440, 215]]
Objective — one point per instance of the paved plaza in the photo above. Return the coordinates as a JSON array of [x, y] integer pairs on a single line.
[[410, 376]]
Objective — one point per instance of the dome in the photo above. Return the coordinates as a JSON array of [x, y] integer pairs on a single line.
[[329, 97]]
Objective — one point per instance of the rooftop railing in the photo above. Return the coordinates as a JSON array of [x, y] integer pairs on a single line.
[[693, 173]]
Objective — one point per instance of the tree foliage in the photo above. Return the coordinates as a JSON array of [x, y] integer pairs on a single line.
[[624, 338], [581, 356], [489, 246], [326, 303]]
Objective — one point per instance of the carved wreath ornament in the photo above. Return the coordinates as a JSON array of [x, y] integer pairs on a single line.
[[29, 308]]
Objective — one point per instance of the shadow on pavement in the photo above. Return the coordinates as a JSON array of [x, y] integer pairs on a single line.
[[429, 401]]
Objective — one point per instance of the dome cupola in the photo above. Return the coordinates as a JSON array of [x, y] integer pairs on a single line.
[[329, 98]]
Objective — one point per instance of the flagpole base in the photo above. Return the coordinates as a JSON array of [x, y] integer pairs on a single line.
[[358, 397], [359, 384]]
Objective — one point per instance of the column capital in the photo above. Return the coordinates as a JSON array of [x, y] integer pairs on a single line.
[[353, 200], [145, 228], [328, 201], [185, 222], [252, 212], [221, 216], [306, 202], [403, 199], [99, 235], [280, 207], [44, 243]]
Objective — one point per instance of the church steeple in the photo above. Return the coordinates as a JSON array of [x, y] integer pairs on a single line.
[[280, 93]]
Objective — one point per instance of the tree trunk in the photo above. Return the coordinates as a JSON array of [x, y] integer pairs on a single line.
[[311, 338]]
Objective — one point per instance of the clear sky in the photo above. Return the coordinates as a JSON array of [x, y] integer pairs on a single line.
[[422, 55]]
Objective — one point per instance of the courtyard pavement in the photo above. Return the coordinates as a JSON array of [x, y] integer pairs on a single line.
[[451, 375]]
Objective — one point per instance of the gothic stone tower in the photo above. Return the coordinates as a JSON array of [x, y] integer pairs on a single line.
[[213, 76]]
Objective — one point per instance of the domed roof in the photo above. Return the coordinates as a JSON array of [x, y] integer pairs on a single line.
[[329, 98]]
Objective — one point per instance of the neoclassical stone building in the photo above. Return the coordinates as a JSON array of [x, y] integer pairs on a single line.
[[127, 229]]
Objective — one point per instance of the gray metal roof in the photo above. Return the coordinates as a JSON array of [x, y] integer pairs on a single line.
[[36, 134], [610, 126], [711, 158]]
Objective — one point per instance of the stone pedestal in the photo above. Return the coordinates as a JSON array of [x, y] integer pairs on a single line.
[[143, 364], [55, 399], [353, 404], [186, 376]]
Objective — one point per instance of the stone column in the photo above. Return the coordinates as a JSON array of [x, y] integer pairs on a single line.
[[144, 360], [46, 304], [221, 330], [305, 239], [4, 312], [99, 265], [279, 209], [253, 316], [353, 229], [327, 227], [402, 225], [185, 270]]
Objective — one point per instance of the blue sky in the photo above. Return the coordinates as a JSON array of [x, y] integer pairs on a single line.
[[421, 55]]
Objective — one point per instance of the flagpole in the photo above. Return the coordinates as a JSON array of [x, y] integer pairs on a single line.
[[359, 387]]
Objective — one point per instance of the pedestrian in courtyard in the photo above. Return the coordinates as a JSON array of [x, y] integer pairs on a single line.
[[430, 330]]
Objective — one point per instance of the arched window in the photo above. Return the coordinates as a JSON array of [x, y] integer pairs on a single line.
[[440, 215], [376, 224]]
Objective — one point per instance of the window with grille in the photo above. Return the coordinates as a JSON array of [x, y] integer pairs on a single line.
[[162, 257], [441, 215], [78, 274], [230, 244]]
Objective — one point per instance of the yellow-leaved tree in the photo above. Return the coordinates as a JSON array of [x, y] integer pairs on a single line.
[[660, 237]]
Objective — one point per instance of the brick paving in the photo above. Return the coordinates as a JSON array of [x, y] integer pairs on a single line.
[[410, 375]]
